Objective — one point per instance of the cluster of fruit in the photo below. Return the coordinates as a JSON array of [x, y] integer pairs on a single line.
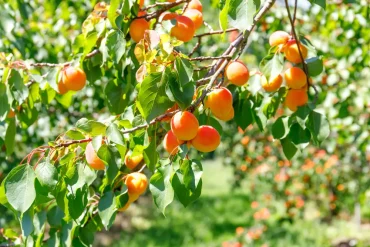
[[295, 77], [184, 29], [136, 182]]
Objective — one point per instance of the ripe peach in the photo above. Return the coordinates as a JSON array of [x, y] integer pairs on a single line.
[[195, 4], [291, 51], [233, 35], [141, 3], [171, 143], [11, 114], [136, 183], [279, 38], [237, 73], [295, 98], [73, 78], [207, 139], [184, 29], [62, 88], [273, 85], [92, 158], [131, 199], [220, 102], [132, 161], [165, 16], [184, 125], [196, 16], [295, 78], [138, 28]]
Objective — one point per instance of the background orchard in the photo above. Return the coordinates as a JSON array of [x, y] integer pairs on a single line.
[[114, 114]]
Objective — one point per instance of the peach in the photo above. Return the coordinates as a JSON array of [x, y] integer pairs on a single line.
[[184, 125], [131, 199], [233, 35], [237, 73], [279, 38], [11, 114], [291, 51], [141, 3], [73, 78], [62, 88], [220, 102], [273, 85], [295, 98], [184, 29], [295, 78], [207, 139], [138, 28], [92, 158], [196, 16], [195, 4], [171, 143], [136, 183], [132, 161]]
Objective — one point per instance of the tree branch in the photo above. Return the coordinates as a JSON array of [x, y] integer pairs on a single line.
[[216, 32]]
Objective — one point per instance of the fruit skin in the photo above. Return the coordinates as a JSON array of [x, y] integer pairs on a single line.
[[131, 199], [136, 183], [237, 73], [195, 4], [92, 158], [62, 88], [184, 125], [73, 78], [171, 143], [295, 78], [207, 139], [295, 98], [184, 29], [196, 16], [233, 35], [138, 28], [273, 85], [220, 102], [11, 114], [279, 38], [141, 3], [132, 161], [291, 52]]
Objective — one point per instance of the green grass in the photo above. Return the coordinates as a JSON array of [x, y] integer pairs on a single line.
[[213, 219]]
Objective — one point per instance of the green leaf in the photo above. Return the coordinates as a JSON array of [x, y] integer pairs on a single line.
[[10, 136], [318, 126], [19, 187], [122, 199], [112, 15], [315, 66], [280, 128], [289, 148], [116, 45], [184, 70], [27, 223], [272, 65], [17, 87], [4, 104], [299, 136], [112, 158], [114, 135], [187, 182], [28, 115], [55, 216], [321, 3], [223, 15], [240, 13], [270, 108], [152, 100], [67, 233], [116, 95], [107, 209], [77, 202], [244, 113], [151, 155], [47, 175], [91, 127], [182, 94], [161, 188]]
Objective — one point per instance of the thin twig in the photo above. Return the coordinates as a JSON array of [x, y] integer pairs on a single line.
[[208, 26], [216, 32], [197, 45], [164, 7], [305, 67], [209, 58]]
